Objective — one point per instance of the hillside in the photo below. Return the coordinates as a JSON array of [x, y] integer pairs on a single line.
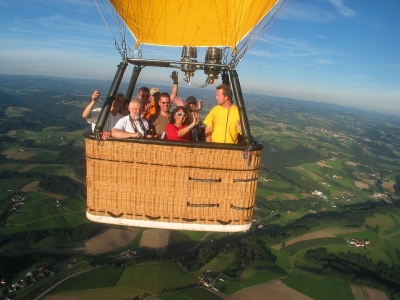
[[330, 179]]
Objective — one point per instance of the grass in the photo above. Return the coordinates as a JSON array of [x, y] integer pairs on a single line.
[[14, 183], [395, 228], [194, 235], [389, 251], [314, 243], [218, 263], [294, 215], [395, 241], [178, 241], [155, 278], [15, 245], [282, 259], [50, 241], [263, 193], [97, 278], [257, 275], [228, 287], [105, 293], [326, 289], [184, 296], [385, 222], [196, 294], [45, 156], [48, 170]]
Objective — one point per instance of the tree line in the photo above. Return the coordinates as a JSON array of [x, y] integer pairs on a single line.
[[357, 268]]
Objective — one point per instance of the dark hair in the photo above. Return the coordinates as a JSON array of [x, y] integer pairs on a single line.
[[175, 110], [164, 95], [143, 89]]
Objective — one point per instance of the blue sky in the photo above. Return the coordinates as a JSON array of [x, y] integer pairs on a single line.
[[345, 52]]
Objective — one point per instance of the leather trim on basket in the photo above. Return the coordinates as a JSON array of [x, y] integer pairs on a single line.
[[202, 204], [115, 216], [204, 179], [241, 208]]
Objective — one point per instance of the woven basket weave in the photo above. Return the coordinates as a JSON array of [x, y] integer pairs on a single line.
[[167, 184]]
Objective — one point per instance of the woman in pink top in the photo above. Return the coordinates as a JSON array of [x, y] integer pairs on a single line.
[[178, 128]]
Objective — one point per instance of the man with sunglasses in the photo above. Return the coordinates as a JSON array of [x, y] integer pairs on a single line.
[[91, 115], [152, 108], [163, 117]]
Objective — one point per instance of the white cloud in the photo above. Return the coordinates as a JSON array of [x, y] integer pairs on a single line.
[[306, 13], [342, 9]]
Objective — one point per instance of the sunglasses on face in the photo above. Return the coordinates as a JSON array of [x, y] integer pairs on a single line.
[[179, 114]]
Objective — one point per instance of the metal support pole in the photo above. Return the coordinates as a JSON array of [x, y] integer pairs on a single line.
[[237, 91], [105, 110], [132, 83], [225, 78]]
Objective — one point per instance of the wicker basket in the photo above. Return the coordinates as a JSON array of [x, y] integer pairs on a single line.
[[174, 185]]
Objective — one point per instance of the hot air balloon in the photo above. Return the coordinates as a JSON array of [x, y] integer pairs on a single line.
[[195, 185]]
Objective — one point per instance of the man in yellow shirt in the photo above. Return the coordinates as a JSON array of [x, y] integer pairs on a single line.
[[223, 121]]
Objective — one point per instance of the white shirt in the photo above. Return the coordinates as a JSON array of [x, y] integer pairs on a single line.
[[110, 123], [128, 125]]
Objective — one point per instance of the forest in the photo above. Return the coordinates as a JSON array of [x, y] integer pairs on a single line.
[[357, 268]]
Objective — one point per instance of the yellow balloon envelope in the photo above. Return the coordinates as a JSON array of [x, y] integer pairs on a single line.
[[220, 23]]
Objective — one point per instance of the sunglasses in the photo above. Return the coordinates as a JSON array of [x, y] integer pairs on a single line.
[[179, 114]]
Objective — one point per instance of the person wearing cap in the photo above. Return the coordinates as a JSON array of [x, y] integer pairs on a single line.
[[154, 98], [223, 121], [151, 107]]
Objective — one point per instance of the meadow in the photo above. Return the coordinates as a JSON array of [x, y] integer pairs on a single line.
[[325, 289]]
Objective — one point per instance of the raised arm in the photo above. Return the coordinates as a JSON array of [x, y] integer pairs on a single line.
[[174, 91], [86, 114]]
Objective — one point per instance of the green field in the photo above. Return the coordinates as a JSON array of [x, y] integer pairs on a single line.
[[228, 287], [155, 279], [385, 222], [218, 263], [196, 294], [97, 278], [282, 259], [395, 228], [326, 289], [178, 241], [14, 183], [314, 243], [257, 275], [46, 169]]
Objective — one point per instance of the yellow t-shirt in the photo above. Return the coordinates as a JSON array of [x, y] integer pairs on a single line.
[[223, 122]]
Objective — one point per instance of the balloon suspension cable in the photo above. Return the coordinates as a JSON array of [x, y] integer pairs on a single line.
[[121, 29], [225, 53], [187, 79]]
